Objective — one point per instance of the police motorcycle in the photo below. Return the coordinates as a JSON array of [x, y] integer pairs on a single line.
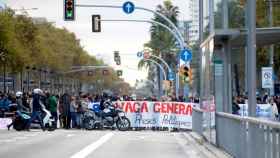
[[22, 118], [107, 118]]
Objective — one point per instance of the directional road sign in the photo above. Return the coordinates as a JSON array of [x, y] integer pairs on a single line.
[[171, 76], [128, 7], [186, 55], [139, 54]]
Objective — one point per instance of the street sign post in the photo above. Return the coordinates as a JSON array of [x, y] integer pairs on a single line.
[[128, 7], [267, 77], [96, 23], [186, 55]]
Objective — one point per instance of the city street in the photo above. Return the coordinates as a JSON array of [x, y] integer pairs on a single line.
[[99, 144]]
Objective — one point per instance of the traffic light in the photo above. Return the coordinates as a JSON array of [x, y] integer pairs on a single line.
[[69, 10], [185, 71], [119, 73], [117, 58], [96, 23], [118, 62]]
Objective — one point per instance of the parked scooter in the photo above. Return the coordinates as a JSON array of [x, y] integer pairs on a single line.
[[22, 118], [107, 118]]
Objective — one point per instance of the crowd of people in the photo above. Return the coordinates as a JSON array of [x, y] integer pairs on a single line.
[[67, 110], [274, 101]]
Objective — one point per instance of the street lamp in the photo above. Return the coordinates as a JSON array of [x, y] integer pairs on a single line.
[[3, 59], [28, 77]]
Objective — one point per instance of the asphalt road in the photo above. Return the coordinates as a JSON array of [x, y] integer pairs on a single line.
[[99, 144]]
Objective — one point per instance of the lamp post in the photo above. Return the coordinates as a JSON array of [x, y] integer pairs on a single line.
[[3, 59]]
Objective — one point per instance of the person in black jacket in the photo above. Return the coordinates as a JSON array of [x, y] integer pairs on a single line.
[[36, 109]]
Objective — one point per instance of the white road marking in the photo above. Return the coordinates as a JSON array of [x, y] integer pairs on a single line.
[[70, 135], [90, 148]]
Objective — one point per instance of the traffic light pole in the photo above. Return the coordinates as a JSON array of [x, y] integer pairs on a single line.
[[158, 64], [85, 68], [154, 12], [179, 40]]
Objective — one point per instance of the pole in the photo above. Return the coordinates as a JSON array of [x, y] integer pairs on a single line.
[[200, 49], [162, 69], [179, 40], [251, 44], [271, 48], [4, 77], [151, 11]]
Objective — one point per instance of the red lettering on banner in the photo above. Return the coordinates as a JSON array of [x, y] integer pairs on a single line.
[[144, 107], [176, 108], [170, 108], [182, 109], [128, 107], [189, 110], [156, 107], [163, 108]]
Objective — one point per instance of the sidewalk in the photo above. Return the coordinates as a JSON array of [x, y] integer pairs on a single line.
[[206, 146]]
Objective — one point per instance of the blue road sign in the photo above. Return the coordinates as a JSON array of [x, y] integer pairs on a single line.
[[139, 54], [186, 55], [128, 7], [171, 76]]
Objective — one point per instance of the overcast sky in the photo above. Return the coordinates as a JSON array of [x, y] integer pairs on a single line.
[[128, 38]]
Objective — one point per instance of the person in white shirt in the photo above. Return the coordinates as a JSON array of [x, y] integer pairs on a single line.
[[275, 114]]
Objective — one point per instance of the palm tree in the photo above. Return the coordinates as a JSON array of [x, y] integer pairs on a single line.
[[162, 42]]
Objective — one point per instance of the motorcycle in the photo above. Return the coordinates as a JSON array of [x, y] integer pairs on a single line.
[[22, 118], [107, 118]]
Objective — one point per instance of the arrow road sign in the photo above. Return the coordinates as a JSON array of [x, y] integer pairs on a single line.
[[139, 54], [171, 76], [186, 55], [128, 7]]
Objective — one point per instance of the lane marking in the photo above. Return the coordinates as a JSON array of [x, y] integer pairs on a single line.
[[90, 148], [70, 135]]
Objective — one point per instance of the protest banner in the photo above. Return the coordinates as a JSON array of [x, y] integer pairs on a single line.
[[262, 110], [158, 114], [4, 122]]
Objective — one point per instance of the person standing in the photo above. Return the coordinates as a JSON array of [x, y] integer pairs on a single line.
[[36, 109], [73, 112], [275, 114], [52, 101], [65, 101]]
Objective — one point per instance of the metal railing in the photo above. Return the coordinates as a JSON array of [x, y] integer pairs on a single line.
[[197, 120], [247, 137]]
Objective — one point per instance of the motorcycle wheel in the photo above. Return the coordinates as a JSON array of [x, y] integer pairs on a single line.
[[123, 124], [89, 123]]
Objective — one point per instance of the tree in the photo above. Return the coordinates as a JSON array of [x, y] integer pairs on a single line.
[[162, 42]]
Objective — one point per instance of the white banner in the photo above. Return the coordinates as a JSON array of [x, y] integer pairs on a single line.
[[4, 122], [267, 77], [262, 110], [158, 114]]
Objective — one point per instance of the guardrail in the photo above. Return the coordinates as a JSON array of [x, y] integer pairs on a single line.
[[247, 137], [197, 120]]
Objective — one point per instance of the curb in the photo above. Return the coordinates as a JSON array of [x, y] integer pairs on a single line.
[[209, 147]]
